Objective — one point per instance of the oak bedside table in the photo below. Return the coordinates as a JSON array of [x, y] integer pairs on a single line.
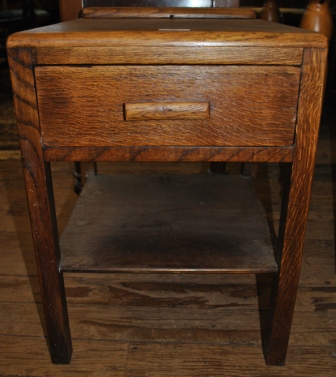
[[166, 88]]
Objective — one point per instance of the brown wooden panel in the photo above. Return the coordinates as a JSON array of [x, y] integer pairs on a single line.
[[142, 154], [132, 33], [161, 3], [226, 3], [177, 55], [296, 197], [70, 10], [66, 105], [154, 12], [148, 3], [167, 224]]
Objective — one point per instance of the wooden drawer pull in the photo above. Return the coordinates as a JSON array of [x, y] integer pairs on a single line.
[[167, 110]]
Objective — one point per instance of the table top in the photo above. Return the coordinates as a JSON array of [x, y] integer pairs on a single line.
[[167, 32]]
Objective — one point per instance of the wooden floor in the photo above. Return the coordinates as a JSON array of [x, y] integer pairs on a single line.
[[165, 325]]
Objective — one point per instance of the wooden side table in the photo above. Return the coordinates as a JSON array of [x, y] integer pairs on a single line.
[[168, 90]]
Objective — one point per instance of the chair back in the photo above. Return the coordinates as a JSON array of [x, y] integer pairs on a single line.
[[70, 10], [162, 3]]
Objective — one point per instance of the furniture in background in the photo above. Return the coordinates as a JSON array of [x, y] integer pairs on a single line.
[[72, 10], [168, 89], [318, 18], [270, 11]]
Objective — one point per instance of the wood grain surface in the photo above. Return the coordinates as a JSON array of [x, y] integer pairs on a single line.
[[168, 224], [143, 154], [251, 106], [41, 205], [235, 120], [296, 203], [166, 110], [168, 55], [167, 12], [146, 32]]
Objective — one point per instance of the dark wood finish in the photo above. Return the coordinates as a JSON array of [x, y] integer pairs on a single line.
[[270, 11], [296, 200], [147, 3], [163, 3], [249, 169], [142, 154], [70, 10], [271, 123], [157, 223], [82, 35], [81, 172], [318, 18], [204, 55], [168, 12], [225, 3], [133, 35], [41, 206]]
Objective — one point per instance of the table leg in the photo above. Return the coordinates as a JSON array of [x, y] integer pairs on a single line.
[[41, 205], [295, 205]]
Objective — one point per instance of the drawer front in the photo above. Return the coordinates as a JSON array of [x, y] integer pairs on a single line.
[[167, 105]]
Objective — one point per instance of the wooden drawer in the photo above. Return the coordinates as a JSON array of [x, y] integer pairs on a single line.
[[167, 105]]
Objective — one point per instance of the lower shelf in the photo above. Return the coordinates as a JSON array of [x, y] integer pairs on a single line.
[[153, 223]]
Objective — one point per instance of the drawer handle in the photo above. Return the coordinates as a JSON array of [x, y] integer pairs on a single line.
[[167, 110]]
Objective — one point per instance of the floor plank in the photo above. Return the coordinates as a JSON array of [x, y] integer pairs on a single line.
[[29, 356], [234, 361]]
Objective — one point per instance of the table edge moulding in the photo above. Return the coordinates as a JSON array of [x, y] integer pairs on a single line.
[[196, 100]]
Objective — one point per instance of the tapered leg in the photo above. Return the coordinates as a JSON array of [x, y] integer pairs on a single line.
[[52, 287], [294, 213], [41, 206], [295, 205], [46, 243]]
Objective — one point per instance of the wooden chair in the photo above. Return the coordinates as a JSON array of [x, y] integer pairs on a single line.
[[165, 87], [318, 18], [270, 11], [71, 10]]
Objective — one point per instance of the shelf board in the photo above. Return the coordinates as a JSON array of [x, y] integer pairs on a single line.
[[155, 223]]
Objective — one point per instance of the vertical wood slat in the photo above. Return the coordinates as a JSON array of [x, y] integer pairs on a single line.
[[295, 208], [70, 10], [41, 205]]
